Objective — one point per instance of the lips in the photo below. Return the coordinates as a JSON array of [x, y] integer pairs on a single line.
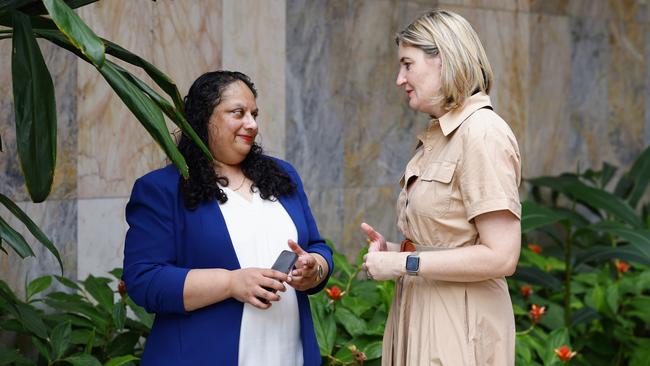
[[409, 93], [247, 138]]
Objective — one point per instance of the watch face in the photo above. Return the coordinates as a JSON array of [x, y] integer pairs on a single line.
[[412, 263]]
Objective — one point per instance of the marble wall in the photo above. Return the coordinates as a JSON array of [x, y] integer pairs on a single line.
[[571, 78]]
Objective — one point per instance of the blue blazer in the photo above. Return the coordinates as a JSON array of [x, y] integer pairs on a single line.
[[165, 241]]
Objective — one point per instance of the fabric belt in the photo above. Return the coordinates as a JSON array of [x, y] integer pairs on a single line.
[[408, 246]]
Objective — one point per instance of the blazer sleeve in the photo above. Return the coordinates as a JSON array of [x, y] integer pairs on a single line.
[[315, 243], [152, 278]]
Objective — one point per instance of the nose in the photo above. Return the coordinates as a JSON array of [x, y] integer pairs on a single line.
[[401, 79], [249, 122]]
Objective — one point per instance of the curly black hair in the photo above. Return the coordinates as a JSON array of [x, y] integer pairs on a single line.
[[203, 182]]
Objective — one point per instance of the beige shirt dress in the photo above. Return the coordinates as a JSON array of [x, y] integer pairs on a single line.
[[468, 163]]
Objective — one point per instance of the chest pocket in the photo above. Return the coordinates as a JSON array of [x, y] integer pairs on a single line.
[[434, 190]]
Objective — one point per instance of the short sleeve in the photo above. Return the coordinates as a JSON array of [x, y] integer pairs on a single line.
[[490, 167]]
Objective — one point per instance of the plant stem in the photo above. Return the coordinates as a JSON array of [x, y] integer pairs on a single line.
[[568, 269]]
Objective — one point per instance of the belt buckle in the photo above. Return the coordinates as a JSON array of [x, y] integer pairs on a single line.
[[407, 246]]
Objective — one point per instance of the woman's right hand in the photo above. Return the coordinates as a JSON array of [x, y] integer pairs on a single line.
[[248, 286], [376, 241]]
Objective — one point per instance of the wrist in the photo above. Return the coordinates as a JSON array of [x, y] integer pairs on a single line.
[[401, 264]]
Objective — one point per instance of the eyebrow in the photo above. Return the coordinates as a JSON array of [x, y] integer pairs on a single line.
[[401, 60]]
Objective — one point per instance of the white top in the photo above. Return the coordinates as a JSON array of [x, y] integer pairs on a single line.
[[259, 231]]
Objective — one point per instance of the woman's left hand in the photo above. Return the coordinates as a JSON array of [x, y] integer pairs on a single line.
[[383, 266], [305, 276]]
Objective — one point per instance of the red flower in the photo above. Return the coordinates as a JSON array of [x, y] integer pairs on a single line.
[[334, 292], [526, 291], [121, 288], [622, 267], [536, 313], [564, 353], [535, 248]]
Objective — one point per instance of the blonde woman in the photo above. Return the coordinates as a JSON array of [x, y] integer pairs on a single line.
[[459, 208]]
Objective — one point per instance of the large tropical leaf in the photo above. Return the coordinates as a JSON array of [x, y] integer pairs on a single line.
[[173, 113], [47, 30], [639, 175], [36, 7], [146, 111], [603, 253], [82, 37], [14, 239], [535, 216], [6, 5], [537, 277], [638, 238], [32, 227], [35, 109], [558, 183], [603, 200]]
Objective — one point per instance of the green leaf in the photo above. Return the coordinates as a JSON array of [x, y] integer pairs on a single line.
[[119, 315], [584, 315], [117, 273], [145, 317], [35, 108], [611, 297], [604, 253], [601, 199], [639, 174], [123, 344], [40, 284], [639, 238], [7, 5], [42, 349], [537, 277], [13, 357], [146, 111], [68, 283], [60, 339], [173, 113], [100, 291], [83, 360], [373, 350], [31, 320], [32, 227], [557, 338], [82, 37], [37, 7], [352, 323], [15, 240], [324, 325], [119, 361], [535, 216], [90, 342]]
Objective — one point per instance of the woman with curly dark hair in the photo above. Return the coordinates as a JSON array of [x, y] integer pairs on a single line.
[[198, 251]]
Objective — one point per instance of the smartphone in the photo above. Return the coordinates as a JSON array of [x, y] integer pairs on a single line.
[[284, 263]]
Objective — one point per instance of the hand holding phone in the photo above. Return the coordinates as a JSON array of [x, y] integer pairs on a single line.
[[284, 263]]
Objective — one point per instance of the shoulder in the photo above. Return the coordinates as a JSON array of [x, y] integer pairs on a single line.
[[485, 125], [165, 179]]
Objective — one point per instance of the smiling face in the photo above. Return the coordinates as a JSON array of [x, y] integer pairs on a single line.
[[232, 127], [419, 75]]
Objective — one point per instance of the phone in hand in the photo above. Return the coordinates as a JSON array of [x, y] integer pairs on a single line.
[[284, 263]]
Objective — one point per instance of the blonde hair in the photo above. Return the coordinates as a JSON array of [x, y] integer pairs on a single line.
[[465, 67]]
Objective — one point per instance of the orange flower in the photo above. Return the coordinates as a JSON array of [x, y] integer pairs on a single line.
[[564, 353], [536, 313], [121, 288], [621, 266], [526, 291], [334, 293], [535, 248]]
